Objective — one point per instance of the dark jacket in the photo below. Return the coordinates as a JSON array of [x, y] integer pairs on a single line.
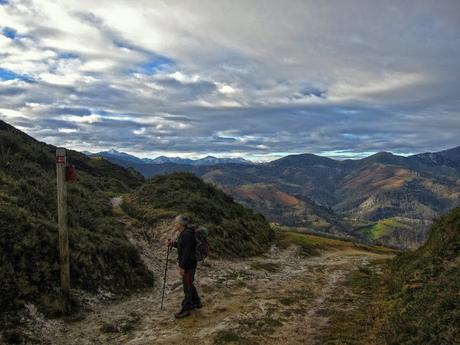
[[186, 246]]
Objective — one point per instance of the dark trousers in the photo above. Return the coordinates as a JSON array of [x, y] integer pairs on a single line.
[[191, 295]]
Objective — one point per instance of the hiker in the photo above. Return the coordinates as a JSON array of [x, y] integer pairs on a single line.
[[186, 258]]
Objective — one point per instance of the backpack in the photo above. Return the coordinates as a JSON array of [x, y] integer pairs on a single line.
[[202, 244]]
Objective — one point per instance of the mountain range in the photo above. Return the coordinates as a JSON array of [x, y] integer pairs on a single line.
[[384, 198], [122, 157]]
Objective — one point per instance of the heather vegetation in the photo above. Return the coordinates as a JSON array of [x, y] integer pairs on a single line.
[[101, 256], [233, 229]]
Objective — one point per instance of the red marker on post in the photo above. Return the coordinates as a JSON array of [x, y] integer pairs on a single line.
[[70, 173]]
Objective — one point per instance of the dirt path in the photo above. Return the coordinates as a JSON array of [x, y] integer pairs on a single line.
[[272, 299]]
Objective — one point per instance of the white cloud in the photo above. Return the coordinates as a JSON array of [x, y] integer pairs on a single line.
[[10, 114], [139, 131], [67, 130], [225, 89], [180, 76], [90, 119]]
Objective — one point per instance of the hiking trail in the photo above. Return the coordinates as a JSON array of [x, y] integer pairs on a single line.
[[274, 298]]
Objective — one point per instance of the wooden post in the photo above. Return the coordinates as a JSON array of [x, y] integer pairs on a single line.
[[62, 227]]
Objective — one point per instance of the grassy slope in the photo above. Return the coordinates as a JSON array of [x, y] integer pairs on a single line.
[[415, 299], [101, 256], [425, 289], [382, 228], [312, 245], [233, 229]]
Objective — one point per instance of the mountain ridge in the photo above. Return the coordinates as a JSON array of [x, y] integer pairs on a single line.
[[451, 153], [208, 160], [403, 191]]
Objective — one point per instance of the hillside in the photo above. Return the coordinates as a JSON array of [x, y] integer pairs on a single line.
[[289, 210], [103, 256], [233, 229], [407, 192], [425, 287], [412, 299]]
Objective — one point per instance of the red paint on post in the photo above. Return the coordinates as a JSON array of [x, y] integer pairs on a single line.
[[70, 173]]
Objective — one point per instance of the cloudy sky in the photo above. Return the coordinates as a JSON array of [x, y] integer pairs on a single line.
[[257, 79]]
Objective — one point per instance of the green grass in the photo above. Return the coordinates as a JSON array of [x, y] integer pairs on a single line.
[[313, 245], [425, 289], [356, 326], [382, 228]]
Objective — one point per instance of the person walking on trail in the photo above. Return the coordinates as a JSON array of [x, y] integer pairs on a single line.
[[186, 259]]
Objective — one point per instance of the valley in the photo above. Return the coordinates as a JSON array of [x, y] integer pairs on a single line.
[[350, 198]]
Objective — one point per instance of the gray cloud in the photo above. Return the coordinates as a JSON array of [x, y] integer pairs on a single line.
[[234, 78]]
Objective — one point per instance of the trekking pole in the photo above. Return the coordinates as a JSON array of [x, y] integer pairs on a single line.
[[166, 271]]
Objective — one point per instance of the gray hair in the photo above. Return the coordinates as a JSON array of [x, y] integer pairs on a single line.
[[182, 219]]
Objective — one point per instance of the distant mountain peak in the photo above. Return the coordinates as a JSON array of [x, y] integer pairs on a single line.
[[304, 159], [208, 160], [383, 154]]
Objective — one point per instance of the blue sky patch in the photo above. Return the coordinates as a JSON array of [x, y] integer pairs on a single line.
[[6, 74], [3, 2], [9, 32], [67, 56], [153, 65]]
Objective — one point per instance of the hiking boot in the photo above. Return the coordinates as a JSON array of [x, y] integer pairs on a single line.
[[198, 305], [182, 313]]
